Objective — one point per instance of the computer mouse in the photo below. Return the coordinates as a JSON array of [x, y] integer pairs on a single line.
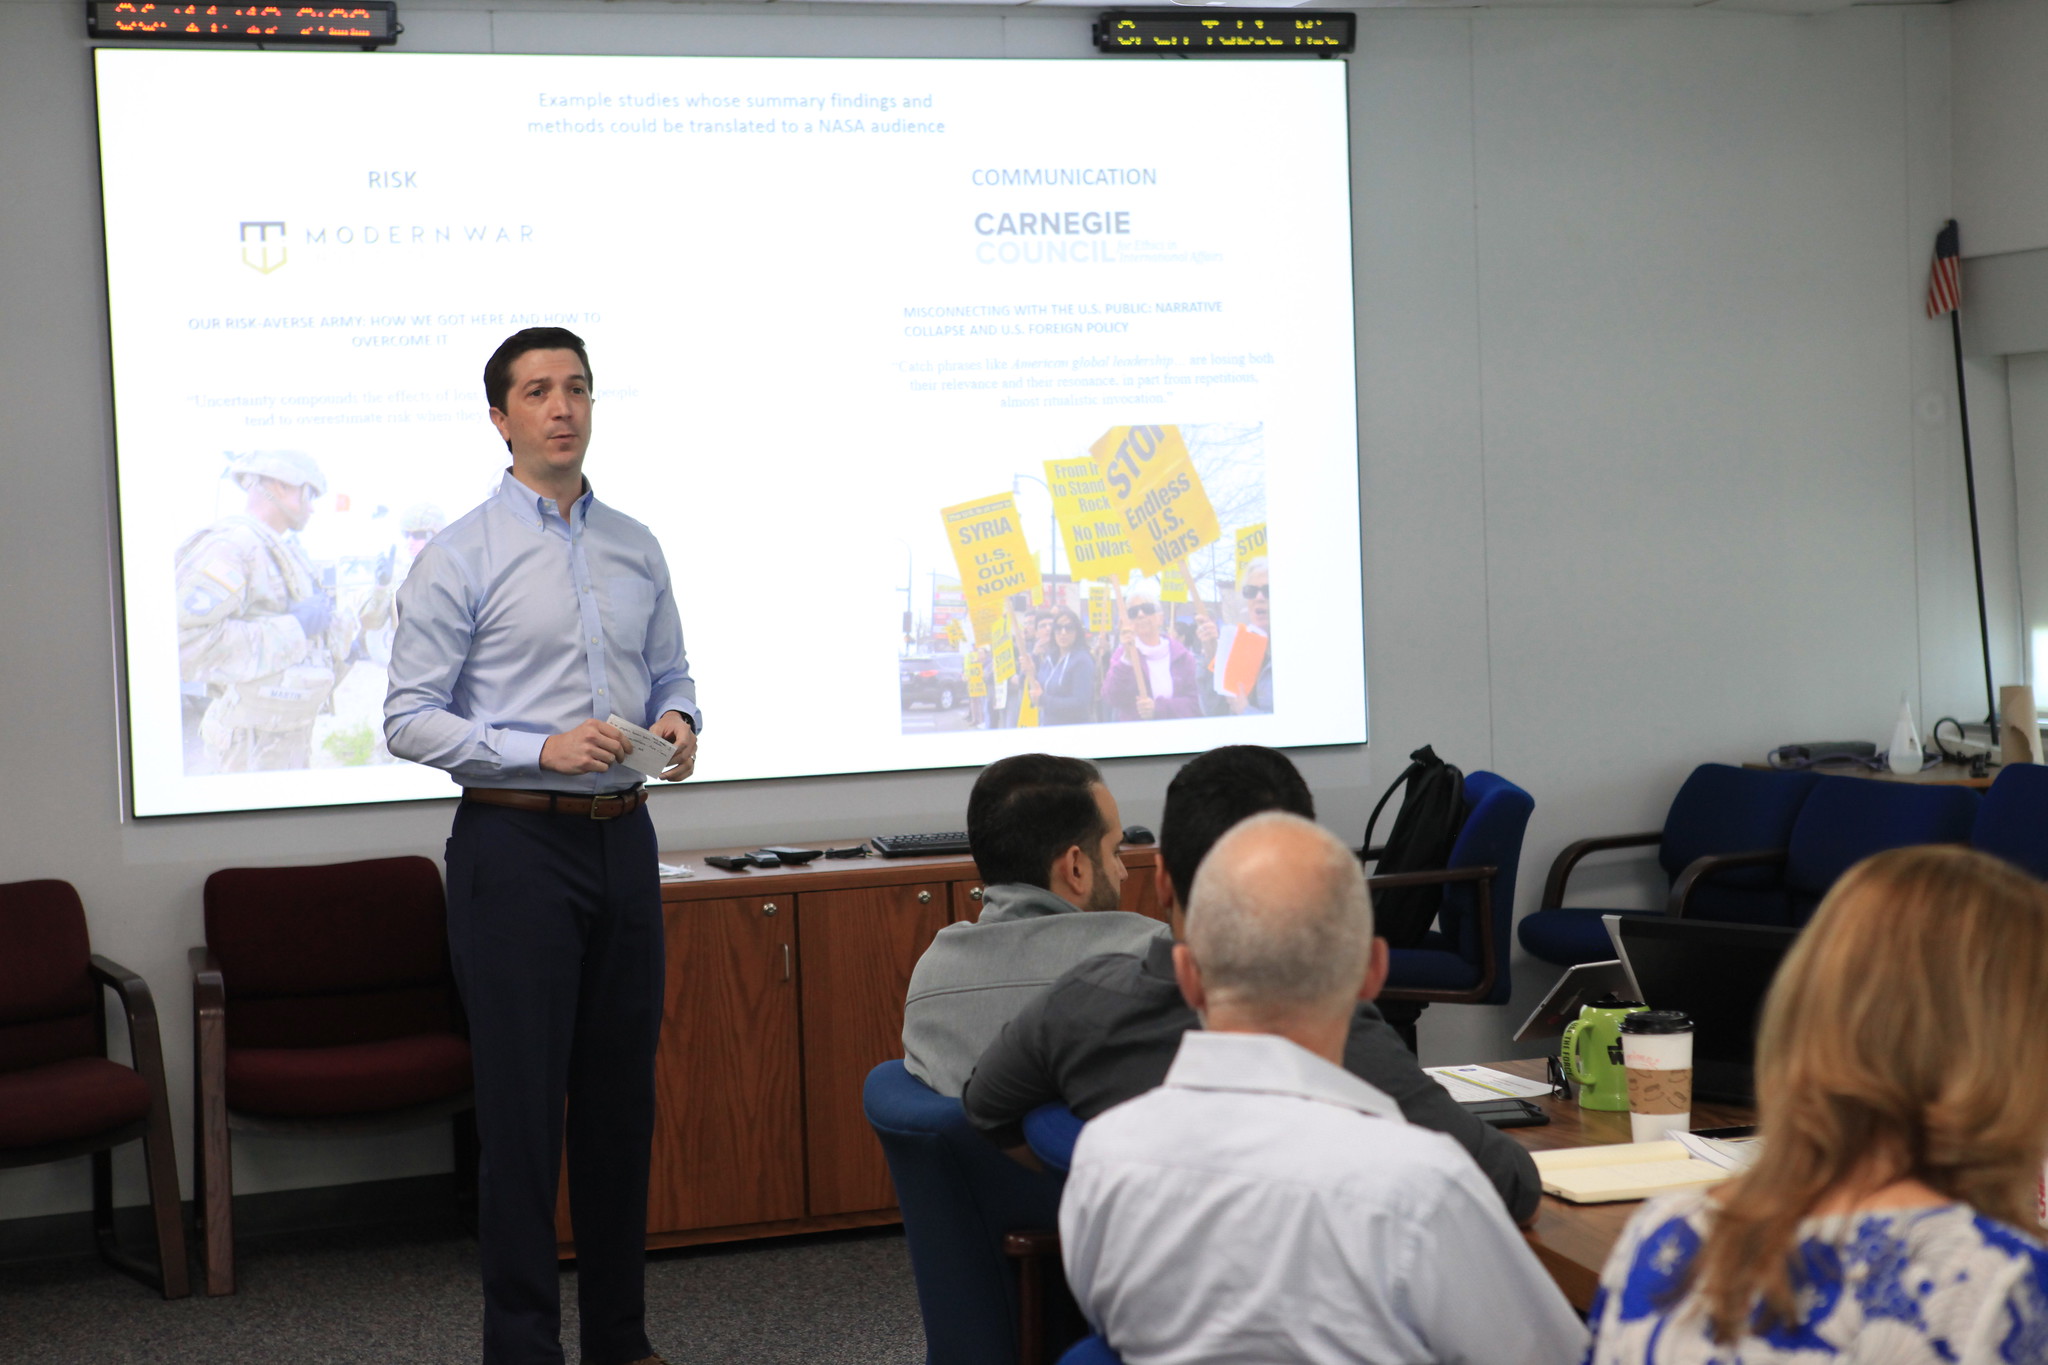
[[1138, 834]]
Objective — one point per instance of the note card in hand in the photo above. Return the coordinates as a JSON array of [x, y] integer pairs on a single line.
[[651, 753]]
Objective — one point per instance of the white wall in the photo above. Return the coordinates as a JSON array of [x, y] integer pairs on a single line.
[[2001, 110], [1644, 484]]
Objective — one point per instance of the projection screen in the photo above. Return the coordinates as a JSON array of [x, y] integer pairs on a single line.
[[897, 358]]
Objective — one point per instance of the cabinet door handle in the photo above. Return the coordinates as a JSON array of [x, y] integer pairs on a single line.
[[975, 894], [768, 908], [785, 962], [924, 898]]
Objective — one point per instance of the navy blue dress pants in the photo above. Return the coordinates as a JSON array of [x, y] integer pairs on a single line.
[[554, 925]]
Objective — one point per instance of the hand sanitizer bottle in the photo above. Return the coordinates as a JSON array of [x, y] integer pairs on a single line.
[[1904, 755]]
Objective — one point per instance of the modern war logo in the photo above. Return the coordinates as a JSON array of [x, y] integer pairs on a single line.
[[259, 253]]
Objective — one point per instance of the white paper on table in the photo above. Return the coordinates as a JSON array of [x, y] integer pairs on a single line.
[[1730, 1154], [1470, 1083], [675, 872], [650, 753]]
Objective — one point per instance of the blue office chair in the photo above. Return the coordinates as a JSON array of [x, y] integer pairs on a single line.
[[1050, 1131], [1719, 809], [1844, 820], [962, 1202], [1464, 959], [1091, 1350], [2012, 822]]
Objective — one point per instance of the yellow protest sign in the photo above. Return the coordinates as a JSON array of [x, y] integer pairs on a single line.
[[1002, 648], [1098, 544], [988, 544], [976, 686], [1098, 608], [1251, 544], [1173, 584], [1157, 494], [954, 635]]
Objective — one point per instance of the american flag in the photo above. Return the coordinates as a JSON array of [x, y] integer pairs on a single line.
[[1944, 284]]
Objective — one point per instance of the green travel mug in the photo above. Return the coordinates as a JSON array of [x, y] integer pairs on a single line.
[[1590, 1053]]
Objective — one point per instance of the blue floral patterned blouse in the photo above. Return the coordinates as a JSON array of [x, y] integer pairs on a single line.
[[1900, 1287]]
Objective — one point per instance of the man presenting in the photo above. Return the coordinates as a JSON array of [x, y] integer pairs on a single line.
[[521, 626]]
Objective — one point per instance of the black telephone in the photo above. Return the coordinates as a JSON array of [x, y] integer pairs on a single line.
[[1850, 752]]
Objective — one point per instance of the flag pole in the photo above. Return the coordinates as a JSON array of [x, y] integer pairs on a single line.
[[1955, 329], [1945, 295]]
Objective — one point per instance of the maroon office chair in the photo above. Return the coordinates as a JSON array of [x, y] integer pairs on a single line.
[[322, 1004], [60, 1096]]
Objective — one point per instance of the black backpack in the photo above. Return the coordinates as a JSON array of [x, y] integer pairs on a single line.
[[1431, 815]]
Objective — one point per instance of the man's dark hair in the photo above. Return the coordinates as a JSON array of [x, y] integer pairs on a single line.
[[1216, 790], [1028, 810], [498, 369]]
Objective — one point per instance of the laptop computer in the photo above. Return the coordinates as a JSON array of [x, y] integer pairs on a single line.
[[1717, 973], [1581, 985]]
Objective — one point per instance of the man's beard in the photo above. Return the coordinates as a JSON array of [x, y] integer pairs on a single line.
[[1102, 895]]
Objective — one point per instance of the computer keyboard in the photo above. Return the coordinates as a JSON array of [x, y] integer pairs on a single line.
[[920, 845]]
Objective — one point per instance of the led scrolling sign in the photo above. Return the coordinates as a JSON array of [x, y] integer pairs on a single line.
[[1225, 32], [364, 23]]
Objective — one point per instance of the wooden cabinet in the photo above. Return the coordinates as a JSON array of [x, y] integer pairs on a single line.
[[785, 988], [966, 899], [731, 1071], [858, 948], [1141, 892]]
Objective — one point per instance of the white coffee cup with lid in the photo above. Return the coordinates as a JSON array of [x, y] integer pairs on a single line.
[[1656, 1049]]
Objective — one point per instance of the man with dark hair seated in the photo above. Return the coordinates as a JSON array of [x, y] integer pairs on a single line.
[[1107, 1030], [1044, 832]]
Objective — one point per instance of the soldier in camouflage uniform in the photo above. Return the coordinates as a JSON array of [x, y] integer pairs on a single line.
[[255, 628]]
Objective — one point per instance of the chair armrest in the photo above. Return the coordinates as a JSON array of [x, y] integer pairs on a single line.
[[209, 1031], [1371, 855], [1438, 878], [144, 1043], [1031, 1242], [209, 994], [1561, 870], [1488, 956], [1699, 868]]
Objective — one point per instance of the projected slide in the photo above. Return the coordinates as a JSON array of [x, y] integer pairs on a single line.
[[977, 405]]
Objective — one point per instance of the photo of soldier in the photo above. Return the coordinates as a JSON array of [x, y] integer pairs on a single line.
[[1151, 675], [261, 645], [417, 525]]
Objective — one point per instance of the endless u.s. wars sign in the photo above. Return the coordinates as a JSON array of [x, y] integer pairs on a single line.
[[1156, 493]]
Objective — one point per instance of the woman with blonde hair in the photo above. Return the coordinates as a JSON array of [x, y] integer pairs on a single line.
[[1902, 1088]]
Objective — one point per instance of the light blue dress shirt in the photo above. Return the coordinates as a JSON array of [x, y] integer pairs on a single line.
[[1265, 1205], [515, 625]]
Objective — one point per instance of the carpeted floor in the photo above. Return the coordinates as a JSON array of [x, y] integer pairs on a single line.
[[409, 1296]]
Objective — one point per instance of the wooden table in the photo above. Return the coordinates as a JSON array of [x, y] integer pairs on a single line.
[[1572, 1240], [1943, 774]]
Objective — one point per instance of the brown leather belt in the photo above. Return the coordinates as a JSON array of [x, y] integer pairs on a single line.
[[609, 806]]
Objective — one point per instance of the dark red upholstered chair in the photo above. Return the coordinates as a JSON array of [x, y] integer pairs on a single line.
[[59, 1095], [322, 1004]]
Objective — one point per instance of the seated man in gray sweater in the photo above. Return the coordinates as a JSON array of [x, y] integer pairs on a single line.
[[1044, 832], [1108, 1030]]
